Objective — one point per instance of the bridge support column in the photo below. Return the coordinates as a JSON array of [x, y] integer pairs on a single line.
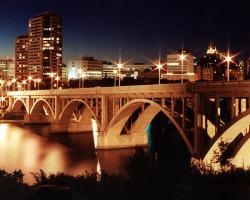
[[122, 141], [27, 117], [104, 113], [217, 114], [232, 107], [197, 124], [183, 121], [57, 107], [10, 103], [248, 102], [172, 105]]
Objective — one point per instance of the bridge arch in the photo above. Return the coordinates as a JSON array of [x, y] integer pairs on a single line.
[[239, 125], [38, 106], [17, 106], [117, 123], [70, 107]]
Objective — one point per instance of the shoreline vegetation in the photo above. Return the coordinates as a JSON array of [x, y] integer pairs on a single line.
[[148, 179]]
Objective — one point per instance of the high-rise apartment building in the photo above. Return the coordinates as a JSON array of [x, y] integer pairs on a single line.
[[45, 45], [21, 57]]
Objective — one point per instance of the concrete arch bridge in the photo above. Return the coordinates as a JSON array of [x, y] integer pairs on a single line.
[[203, 113]]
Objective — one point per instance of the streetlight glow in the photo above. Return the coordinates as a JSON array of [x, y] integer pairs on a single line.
[[159, 67], [228, 59], [2, 98]]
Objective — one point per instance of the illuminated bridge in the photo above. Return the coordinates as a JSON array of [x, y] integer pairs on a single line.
[[204, 113]]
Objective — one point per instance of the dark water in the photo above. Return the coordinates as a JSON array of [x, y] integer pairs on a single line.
[[33, 148]]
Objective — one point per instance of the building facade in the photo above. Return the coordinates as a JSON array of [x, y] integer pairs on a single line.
[[178, 68], [7, 69], [21, 57], [45, 45], [74, 67], [93, 68], [86, 67]]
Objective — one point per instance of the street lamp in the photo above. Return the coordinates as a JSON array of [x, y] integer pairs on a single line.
[[8, 85], [159, 67], [38, 82], [51, 79], [24, 83], [57, 79], [29, 79], [182, 58], [80, 77], [83, 75], [228, 59], [119, 66], [115, 74], [1, 84], [14, 83]]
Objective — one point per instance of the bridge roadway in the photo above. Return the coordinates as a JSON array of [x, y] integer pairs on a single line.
[[119, 116]]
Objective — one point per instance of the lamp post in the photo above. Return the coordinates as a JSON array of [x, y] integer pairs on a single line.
[[14, 83], [83, 75], [80, 77], [159, 66], [38, 82], [1, 83], [115, 74], [228, 59], [57, 79], [51, 80], [8, 85], [182, 57], [119, 66], [29, 79], [24, 83]]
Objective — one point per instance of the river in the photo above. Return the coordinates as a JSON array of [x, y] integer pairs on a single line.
[[31, 148]]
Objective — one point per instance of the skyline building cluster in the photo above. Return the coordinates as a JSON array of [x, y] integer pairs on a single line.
[[39, 53]]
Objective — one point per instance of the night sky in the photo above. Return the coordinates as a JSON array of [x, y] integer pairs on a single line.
[[138, 29]]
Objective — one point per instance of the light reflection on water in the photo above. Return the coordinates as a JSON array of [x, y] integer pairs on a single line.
[[32, 149]]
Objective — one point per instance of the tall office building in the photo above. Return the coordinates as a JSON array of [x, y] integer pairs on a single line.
[[21, 57], [45, 45]]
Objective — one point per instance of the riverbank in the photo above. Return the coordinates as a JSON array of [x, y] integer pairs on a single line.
[[152, 185]]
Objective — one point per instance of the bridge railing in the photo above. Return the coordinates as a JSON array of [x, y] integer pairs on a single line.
[[106, 90]]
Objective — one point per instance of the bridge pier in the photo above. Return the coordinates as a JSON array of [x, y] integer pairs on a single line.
[[74, 127], [115, 141]]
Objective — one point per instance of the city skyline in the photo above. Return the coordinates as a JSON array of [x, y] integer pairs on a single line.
[[136, 29]]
